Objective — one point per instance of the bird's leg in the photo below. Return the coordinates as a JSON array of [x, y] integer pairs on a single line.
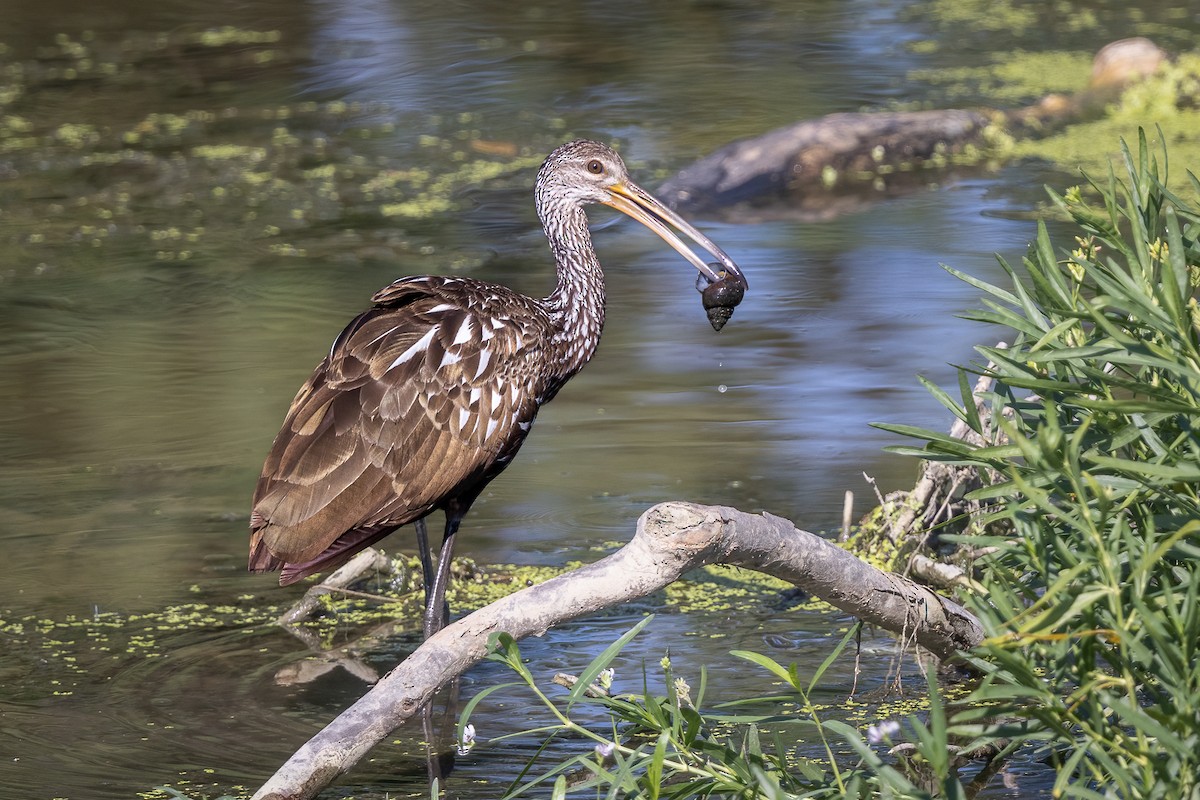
[[425, 556], [437, 610]]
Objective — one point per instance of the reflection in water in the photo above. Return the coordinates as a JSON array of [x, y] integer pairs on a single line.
[[181, 237]]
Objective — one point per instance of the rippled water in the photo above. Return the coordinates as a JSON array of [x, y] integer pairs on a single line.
[[147, 355]]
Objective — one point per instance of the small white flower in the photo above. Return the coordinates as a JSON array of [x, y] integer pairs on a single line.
[[684, 692], [605, 750], [468, 740], [605, 678], [884, 731]]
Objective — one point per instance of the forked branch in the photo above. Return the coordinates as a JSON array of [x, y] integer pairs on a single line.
[[671, 539]]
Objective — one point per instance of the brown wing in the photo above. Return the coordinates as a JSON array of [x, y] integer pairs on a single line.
[[421, 399]]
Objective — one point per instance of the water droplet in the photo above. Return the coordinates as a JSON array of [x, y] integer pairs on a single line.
[[722, 388]]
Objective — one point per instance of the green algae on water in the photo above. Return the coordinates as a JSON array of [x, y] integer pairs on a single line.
[[1167, 102]]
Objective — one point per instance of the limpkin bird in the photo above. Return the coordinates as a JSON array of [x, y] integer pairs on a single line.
[[428, 395]]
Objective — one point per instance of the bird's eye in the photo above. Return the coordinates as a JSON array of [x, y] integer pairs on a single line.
[[595, 167]]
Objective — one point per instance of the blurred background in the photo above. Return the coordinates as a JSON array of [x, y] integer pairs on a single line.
[[195, 198]]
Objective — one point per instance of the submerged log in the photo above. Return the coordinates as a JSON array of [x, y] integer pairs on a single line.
[[817, 155], [671, 539], [822, 167]]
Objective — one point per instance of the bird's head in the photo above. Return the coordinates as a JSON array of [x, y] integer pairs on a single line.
[[582, 172], [579, 173]]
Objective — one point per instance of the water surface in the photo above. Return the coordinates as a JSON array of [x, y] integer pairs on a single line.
[[161, 302]]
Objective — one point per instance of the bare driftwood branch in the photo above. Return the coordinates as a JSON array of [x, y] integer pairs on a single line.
[[369, 560], [671, 539], [804, 160], [939, 573]]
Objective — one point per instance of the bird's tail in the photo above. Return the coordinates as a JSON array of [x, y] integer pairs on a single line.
[[261, 559]]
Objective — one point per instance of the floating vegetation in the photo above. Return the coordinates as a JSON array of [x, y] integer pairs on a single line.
[[1011, 79], [49, 657], [276, 175], [982, 16], [1168, 101], [1081, 134], [57, 655]]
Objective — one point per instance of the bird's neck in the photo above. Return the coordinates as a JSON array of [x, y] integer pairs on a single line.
[[576, 306]]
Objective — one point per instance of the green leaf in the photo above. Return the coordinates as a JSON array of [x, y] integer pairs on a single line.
[[772, 666], [995, 291], [1189, 472], [945, 442], [943, 397], [969, 402], [654, 769], [601, 662], [851, 634], [503, 647], [469, 708], [1046, 274], [1173, 290]]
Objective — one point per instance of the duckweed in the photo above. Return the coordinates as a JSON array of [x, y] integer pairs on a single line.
[[1166, 102], [1012, 79], [292, 167]]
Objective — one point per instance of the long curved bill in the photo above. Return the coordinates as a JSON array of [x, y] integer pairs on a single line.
[[629, 198]]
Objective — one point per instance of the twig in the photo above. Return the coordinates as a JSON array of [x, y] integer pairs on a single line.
[[875, 487], [378, 598], [369, 560]]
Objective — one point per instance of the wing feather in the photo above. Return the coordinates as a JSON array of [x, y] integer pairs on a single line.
[[422, 399]]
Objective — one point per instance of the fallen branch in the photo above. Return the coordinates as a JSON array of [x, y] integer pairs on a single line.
[[671, 539], [369, 560], [940, 574]]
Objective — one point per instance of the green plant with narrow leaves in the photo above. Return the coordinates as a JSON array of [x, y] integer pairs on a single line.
[[663, 746], [1093, 590], [659, 746]]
